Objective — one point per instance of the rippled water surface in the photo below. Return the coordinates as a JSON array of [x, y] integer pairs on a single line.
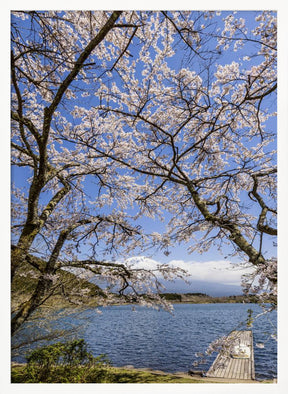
[[156, 339]]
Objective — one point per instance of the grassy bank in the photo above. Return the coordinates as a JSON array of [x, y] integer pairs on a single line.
[[99, 375], [78, 374]]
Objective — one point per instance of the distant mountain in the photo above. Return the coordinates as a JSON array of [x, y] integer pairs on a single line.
[[210, 288], [216, 278]]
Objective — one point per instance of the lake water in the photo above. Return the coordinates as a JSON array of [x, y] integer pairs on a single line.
[[147, 338]]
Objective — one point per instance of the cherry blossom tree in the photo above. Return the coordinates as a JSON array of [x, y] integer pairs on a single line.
[[162, 112], [199, 133], [55, 217]]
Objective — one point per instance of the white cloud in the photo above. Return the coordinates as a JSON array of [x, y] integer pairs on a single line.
[[221, 271]]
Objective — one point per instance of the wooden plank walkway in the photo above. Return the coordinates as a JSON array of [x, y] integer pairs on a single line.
[[234, 365]]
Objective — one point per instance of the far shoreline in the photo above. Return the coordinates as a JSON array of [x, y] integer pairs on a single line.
[[201, 298], [57, 302]]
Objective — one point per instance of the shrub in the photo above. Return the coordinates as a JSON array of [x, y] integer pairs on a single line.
[[64, 362]]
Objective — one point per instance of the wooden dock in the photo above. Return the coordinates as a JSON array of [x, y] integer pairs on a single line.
[[237, 361]]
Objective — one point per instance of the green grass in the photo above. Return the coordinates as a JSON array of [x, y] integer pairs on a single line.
[[78, 374], [133, 376], [99, 375]]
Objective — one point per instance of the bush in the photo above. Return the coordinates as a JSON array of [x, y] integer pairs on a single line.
[[64, 362]]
